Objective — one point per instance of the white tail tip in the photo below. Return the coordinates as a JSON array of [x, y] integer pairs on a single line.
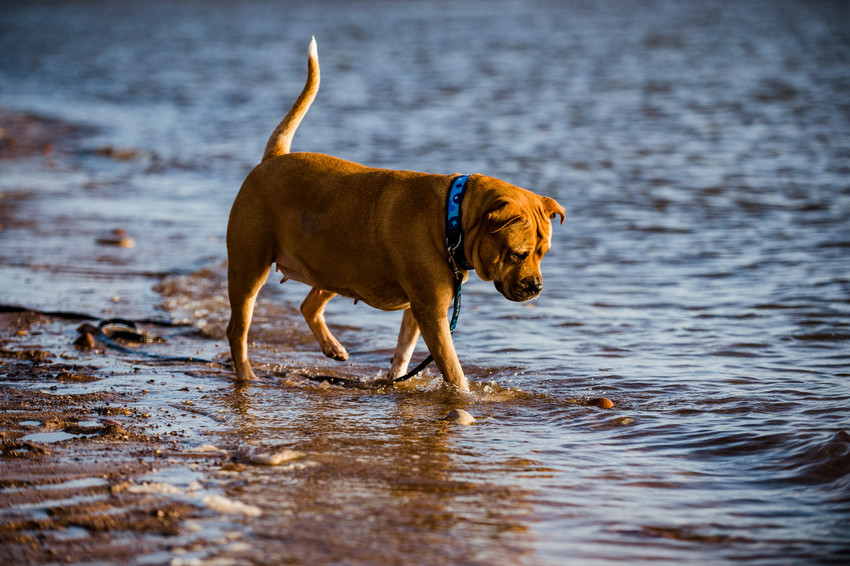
[[314, 50]]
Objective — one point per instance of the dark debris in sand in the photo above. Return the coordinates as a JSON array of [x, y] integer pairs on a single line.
[[68, 500]]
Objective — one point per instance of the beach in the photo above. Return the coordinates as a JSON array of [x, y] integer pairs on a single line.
[[699, 284]]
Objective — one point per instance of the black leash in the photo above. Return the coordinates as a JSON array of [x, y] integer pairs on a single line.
[[108, 330], [132, 335]]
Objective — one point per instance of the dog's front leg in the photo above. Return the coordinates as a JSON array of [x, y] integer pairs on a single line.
[[407, 337], [435, 330]]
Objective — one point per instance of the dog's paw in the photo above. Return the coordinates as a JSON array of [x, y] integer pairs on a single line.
[[246, 375], [335, 351]]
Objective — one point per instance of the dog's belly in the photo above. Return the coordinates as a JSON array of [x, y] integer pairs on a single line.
[[378, 292]]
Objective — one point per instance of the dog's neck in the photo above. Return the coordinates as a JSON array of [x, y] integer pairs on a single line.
[[454, 227]]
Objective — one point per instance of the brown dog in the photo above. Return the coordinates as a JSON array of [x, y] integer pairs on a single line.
[[377, 236]]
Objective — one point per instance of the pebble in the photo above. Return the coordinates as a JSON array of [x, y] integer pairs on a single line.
[[85, 341], [119, 238], [602, 403], [459, 416], [231, 506], [208, 448], [275, 458]]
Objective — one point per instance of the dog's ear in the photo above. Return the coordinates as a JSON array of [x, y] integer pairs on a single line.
[[552, 209], [504, 213]]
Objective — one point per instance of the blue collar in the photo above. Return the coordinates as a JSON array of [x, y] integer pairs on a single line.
[[454, 228]]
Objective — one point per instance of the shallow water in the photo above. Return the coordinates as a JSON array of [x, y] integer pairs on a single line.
[[701, 280]]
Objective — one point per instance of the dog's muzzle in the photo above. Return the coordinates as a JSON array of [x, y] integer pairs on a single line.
[[525, 290]]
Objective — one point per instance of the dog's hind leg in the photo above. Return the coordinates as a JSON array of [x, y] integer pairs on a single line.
[[408, 334], [313, 309], [243, 284]]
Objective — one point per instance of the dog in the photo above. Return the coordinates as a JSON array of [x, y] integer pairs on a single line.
[[376, 236]]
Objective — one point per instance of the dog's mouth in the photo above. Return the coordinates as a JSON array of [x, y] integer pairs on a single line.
[[525, 290]]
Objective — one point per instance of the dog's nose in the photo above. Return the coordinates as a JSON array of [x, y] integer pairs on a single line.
[[533, 285]]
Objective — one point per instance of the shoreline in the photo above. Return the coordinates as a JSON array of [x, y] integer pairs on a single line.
[[80, 454]]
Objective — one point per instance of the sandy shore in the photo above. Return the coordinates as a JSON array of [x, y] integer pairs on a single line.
[[90, 471]]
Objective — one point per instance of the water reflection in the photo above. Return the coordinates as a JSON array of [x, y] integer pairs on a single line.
[[386, 464]]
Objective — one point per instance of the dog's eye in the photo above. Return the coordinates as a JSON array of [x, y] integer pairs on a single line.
[[519, 256]]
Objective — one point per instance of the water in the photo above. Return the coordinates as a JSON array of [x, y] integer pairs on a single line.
[[701, 280]]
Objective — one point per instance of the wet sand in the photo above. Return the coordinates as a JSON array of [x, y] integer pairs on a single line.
[[80, 461]]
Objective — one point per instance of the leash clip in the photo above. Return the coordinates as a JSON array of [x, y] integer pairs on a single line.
[[452, 249]]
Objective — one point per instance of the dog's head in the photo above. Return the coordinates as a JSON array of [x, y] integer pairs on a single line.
[[512, 234]]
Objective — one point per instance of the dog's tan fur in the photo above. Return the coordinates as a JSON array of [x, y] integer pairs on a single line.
[[377, 236]]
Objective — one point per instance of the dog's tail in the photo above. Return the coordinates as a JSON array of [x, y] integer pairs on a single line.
[[281, 139]]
